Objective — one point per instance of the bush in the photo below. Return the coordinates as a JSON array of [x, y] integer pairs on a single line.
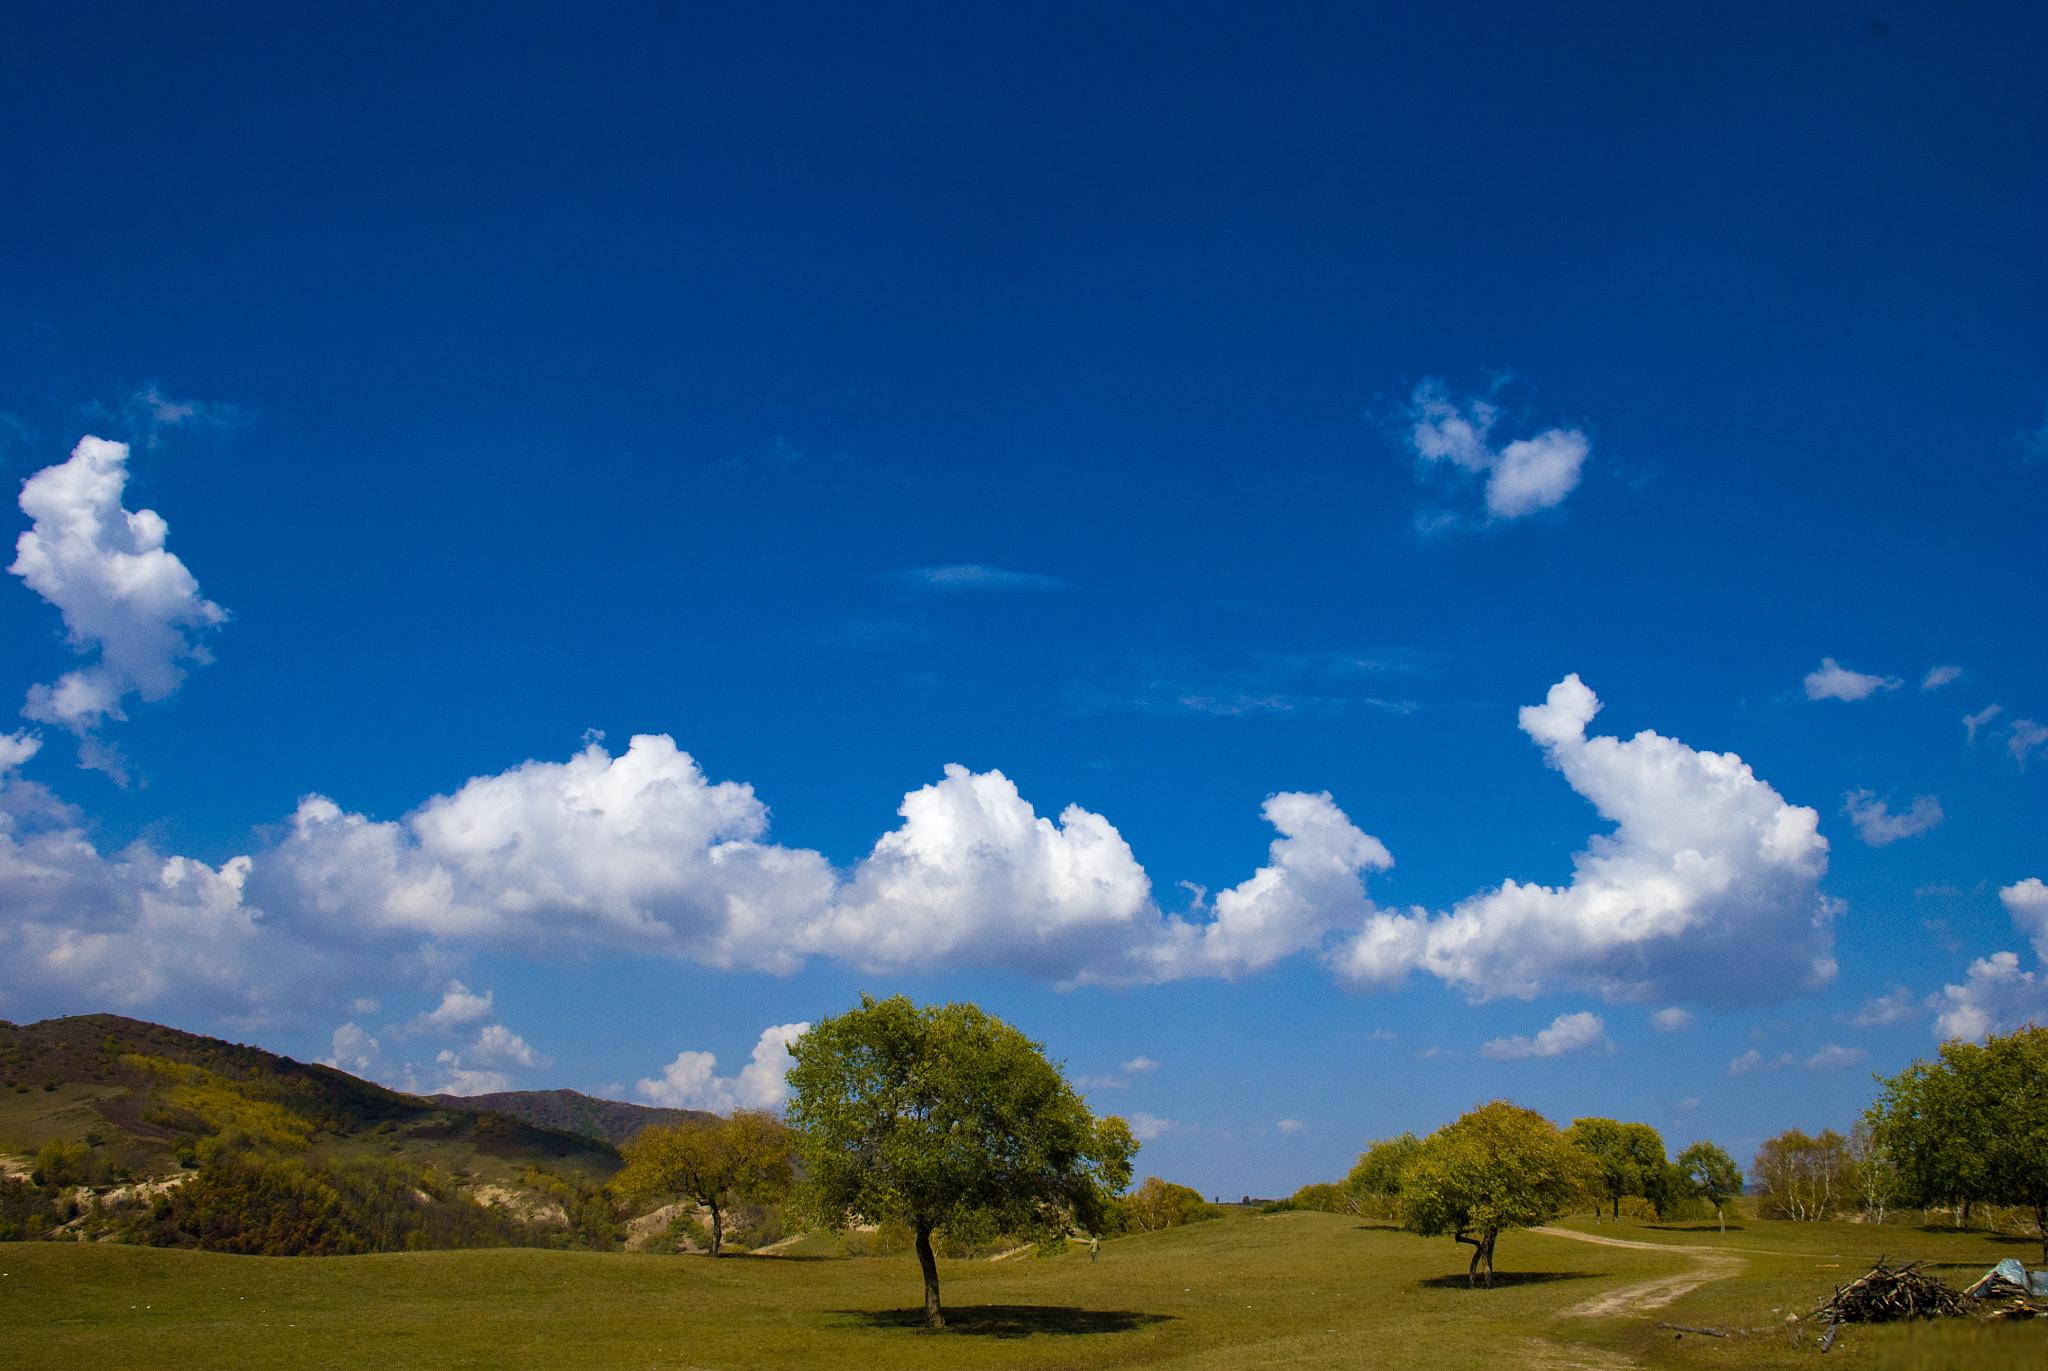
[[1161, 1204]]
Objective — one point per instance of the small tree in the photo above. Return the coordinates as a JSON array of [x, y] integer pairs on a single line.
[[1628, 1158], [743, 1159], [1498, 1167], [1375, 1178], [1711, 1174], [1161, 1204], [947, 1117]]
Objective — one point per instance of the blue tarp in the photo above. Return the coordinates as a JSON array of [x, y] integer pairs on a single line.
[[2011, 1270]]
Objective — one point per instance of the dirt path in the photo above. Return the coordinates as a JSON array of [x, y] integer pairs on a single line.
[[1709, 1264]]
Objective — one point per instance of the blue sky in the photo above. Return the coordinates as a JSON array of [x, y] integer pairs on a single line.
[[1222, 436]]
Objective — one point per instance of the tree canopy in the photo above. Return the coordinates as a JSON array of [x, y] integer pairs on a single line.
[[1972, 1125], [741, 1159], [1711, 1174], [1375, 1178], [1496, 1168], [946, 1117], [1628, 1158]]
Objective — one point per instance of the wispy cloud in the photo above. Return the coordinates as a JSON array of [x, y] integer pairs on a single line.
[[965, 577], [1305, 684], [1973, 722], [1833, 681], [1939, 676], [2025, 739], [1879, 827], [1899, 1005]]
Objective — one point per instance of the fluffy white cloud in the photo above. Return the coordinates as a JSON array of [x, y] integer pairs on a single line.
[[1835, 1057], [499, 1045], [352, 1049], [1706, 865], [1672, 1020], [82, 930], [1833, 681], [1568, 1033], [1527, 475], [692, 1081], [1139, 1064], [120, 592], [638, 851], [459, 1005], [2027, 902], [1536, 473], [1291, 1126], [1995, 997], [1878, 826], [975, 876], [1939, 676], [1312, 887]]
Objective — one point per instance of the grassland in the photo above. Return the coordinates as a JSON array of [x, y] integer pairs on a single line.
[[1297, 1290]]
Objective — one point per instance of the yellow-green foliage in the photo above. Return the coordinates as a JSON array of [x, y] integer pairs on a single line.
[[222, 1107]]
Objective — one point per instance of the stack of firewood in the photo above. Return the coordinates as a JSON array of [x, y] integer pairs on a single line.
[[1887, 1293]]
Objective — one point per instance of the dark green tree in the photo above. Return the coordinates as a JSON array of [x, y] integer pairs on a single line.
[[1628, 1158], [1972, 1125], [1711, 1174], [946, 1117]]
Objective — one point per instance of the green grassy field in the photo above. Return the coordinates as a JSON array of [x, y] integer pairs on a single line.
[[1284, 1290]]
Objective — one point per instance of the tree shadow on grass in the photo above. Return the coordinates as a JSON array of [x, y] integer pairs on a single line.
[[1694, 1227], [1505, 1278], [1012, 1320], [2010, 1239]]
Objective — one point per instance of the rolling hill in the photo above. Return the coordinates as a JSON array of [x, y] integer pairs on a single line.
[[112, 1127]]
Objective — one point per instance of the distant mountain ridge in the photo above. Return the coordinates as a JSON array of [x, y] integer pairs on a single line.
[[572, 1111]]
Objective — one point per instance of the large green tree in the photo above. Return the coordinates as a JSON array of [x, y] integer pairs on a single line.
[[1496, 1168], [1711, 1174], [1628, 1158], [743, 1159], [1973, 1125], [945, 1117]]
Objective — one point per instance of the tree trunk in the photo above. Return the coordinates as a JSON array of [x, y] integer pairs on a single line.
[[930, 1265], [1721, 1217], [717, 1230], [1617, 1206], [1478, 1250], [1488, 1251], [2041, 1227]]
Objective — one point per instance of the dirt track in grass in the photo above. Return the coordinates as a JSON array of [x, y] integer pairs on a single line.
[[1709, 1265]]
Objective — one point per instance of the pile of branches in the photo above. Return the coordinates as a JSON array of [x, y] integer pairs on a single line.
[[1887, 1293]]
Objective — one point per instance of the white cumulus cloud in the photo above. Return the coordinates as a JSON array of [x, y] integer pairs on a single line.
[[2025, 738], [1995, 997], [1878, 826], [2027, 902], [120, 592], [1672, 1020], [1833, 681], [1568, 1033], [1706, 864], [692, 1081]]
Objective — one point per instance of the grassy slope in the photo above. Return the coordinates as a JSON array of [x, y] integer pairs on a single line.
[[96, 1089], [1289, 1290]]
